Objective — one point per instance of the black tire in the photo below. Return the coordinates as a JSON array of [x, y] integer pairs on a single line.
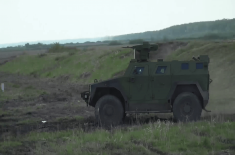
[[124, 116], [187, 107], [109, 111]]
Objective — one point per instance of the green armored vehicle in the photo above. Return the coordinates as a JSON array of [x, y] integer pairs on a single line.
[[181, 87]]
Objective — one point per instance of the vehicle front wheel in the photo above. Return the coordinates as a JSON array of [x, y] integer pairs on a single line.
[[187, 107], [109, 111]]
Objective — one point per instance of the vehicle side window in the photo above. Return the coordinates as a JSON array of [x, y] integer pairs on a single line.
[[184, 66], [161, 69], [138, 70], [199, 66]]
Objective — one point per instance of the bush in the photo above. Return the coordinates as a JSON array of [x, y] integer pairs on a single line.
[[56, 47], [136, 41], [114, 43]]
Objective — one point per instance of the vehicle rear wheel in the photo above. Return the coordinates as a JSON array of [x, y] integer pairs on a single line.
[[109, 111], [187, 107]]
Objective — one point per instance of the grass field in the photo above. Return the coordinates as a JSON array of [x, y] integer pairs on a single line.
[[96, 63], [213, 135], [206, 137], [18, 91]]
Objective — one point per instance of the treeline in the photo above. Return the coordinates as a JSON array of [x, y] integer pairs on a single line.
[[27, 46], [40, 46], [134, 41], [212, 30], [220, 29]]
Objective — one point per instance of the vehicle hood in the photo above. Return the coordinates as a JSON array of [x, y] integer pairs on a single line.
[[106, 81]]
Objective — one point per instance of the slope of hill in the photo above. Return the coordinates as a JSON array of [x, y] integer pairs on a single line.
[[82, 65], [219, 29]]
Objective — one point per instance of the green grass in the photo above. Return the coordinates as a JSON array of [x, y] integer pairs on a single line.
[[4, 112], [27, 64], [111, 64], [9, 144], [76, 117], [16, 91], [142, 139], [99, 64], [27, 121]]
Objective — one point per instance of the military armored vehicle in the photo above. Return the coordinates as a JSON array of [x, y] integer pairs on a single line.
[[181, 87]]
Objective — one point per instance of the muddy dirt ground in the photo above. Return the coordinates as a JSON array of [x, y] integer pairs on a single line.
[[61, 98]]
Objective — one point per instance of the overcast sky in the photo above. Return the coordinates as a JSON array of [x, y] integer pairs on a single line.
[[35, 20]]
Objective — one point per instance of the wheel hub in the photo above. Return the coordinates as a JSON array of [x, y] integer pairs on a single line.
[[187, 108], [109, 110]]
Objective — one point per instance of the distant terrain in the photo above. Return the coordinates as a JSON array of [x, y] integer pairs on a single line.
[[209, 30]]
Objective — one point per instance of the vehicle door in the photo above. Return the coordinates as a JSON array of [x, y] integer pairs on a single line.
[[140, 90], [161, 82]]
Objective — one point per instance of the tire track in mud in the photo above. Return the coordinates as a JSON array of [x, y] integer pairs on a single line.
[[89, 124]]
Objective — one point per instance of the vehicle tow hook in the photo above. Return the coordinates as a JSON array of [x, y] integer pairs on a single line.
[[206, 110]]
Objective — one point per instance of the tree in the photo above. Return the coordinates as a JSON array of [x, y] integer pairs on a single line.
[[114, 43], [27, 45]]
